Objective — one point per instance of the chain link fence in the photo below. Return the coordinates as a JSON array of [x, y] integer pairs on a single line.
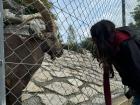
[[48, 55]]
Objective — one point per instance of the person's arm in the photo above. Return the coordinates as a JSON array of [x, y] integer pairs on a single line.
[[130, 63]]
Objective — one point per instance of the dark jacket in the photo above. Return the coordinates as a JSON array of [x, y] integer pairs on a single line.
[[127, 63]]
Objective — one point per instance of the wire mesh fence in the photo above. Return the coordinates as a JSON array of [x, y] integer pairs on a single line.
[[48, 53]]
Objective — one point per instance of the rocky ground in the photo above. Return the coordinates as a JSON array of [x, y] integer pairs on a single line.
[[73, 79]]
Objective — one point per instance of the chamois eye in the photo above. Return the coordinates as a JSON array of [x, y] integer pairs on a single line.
[[52, 38]]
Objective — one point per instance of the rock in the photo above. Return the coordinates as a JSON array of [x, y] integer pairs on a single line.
[[34, 100], [98, 100], [26, 96], [73, 79], [31, 87], [52, 99], [75, 82], [60, 73], [88, 91], [87, 78], [68, 103], [79, 98], [62, 88], [46, 64], [42, 76]]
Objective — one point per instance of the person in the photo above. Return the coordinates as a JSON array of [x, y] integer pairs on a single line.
[[118, 48]]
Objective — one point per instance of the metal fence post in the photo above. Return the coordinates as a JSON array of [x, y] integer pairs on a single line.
[[124, 24], [2, 64], [123, 13]]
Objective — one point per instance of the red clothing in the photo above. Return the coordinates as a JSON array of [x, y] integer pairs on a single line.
[[120, 37]]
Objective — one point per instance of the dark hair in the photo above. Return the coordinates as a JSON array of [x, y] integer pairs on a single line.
[[103, 31]]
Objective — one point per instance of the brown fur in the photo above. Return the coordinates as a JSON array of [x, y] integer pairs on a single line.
[[24, 56]]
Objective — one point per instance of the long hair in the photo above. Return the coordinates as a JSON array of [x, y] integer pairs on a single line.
[[103, 33]]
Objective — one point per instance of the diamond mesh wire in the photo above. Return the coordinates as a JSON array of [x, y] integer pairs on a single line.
[[34, 31]]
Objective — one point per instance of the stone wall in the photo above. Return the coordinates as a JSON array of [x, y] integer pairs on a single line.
[[73, 79]]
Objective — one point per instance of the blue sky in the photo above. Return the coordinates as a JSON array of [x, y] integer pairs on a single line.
[[82, 14]]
